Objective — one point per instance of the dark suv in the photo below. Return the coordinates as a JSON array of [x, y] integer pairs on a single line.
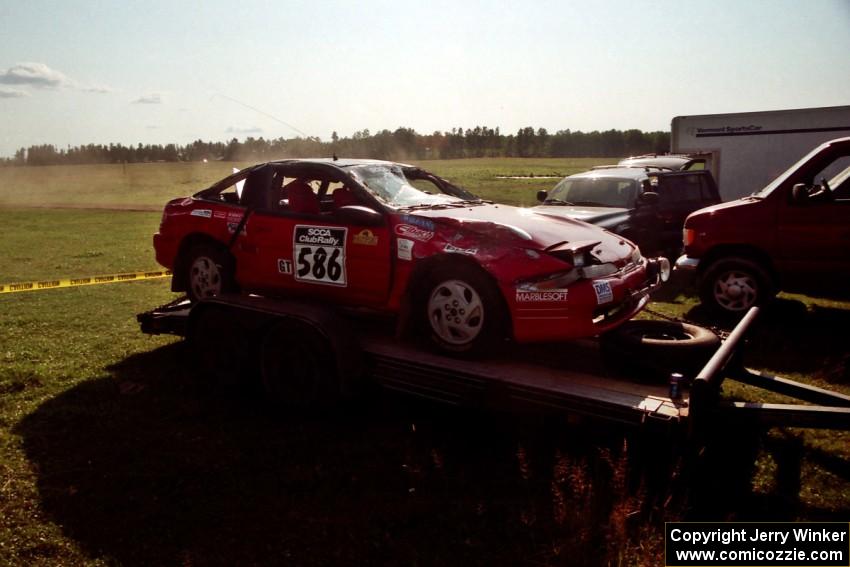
[[647, 205]]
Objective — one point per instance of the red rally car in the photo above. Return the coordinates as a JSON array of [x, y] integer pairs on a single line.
[[400, 240]]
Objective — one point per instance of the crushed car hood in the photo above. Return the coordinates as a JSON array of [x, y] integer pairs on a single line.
[[526, 227], [594, 215]]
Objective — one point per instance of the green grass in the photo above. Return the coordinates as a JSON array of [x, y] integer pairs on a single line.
[[71, 243], [115, 450]]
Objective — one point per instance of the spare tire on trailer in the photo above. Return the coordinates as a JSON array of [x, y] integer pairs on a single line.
[[656, 349]]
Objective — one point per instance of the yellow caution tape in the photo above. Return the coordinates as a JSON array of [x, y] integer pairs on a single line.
[[74, 282]]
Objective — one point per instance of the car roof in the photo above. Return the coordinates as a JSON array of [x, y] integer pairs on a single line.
[[617, 171], [338, 162], [668, 161]]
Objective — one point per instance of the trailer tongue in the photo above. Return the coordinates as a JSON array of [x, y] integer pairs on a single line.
[[310, 353]]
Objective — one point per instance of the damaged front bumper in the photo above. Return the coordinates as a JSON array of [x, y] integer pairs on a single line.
[[586, 307], [658, 271]]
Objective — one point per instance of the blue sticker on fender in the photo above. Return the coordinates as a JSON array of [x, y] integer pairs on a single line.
[[603, 292]]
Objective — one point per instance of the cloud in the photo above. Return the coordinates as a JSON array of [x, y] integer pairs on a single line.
[[13, 93], [152, 98], [102, 89], [40, 76], [35, 75], [249, 130]]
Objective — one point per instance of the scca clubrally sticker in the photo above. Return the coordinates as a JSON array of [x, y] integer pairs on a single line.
[[319, 253]]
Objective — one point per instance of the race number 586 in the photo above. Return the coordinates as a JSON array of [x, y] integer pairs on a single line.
[[320, 264], [319, 253]]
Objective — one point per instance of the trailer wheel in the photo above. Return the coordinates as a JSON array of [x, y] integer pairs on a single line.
[[210, 272], [297, 366], [659, 348], [462, 309], [733, 285]]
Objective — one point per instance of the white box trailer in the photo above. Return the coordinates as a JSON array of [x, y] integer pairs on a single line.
[[747, 150]]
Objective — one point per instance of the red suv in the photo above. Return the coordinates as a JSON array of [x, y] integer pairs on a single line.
[[793, 235]]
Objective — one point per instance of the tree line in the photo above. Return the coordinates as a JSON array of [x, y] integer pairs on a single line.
[[399, 145]]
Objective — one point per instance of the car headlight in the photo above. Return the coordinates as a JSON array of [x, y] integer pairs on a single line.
[[658, 268], [598, 271], [559, 280]]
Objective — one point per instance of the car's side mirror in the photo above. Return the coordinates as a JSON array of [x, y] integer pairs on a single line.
[[803, 194], [359, 215], [648, 198], [542, 195], [800, 193]]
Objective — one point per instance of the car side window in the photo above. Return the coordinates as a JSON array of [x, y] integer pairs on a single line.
[[310, 192], [681, 189], [837, 175], [841, 188], [229, 190], [300, 195], [706, 189], [231, 193]]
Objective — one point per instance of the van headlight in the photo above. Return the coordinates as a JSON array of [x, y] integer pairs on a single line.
[[658, 268]]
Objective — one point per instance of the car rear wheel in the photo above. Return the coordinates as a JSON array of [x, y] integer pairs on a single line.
[[659, 348], [209, 272], [733, 285], [462, 309]]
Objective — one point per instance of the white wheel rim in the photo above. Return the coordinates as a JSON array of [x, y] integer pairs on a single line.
[[205, 277], [736, 291], [456, 312]]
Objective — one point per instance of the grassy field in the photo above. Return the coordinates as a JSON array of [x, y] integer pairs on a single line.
[[148, 186], [116, 450]]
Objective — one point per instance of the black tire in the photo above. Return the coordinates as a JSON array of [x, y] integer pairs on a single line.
[[659, 348], [297, 366], [210, 271], [732, 285], [460, 309]]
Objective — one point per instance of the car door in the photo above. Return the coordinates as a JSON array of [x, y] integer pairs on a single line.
[[813, 237], [680, 194], [314, 251]]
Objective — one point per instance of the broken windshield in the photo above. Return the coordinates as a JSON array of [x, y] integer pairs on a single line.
[[389, 183]]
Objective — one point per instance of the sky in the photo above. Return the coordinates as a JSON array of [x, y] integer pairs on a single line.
[[76, 72]]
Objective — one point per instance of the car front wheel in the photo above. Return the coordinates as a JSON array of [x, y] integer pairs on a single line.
[[733, 285], [462, 309]]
